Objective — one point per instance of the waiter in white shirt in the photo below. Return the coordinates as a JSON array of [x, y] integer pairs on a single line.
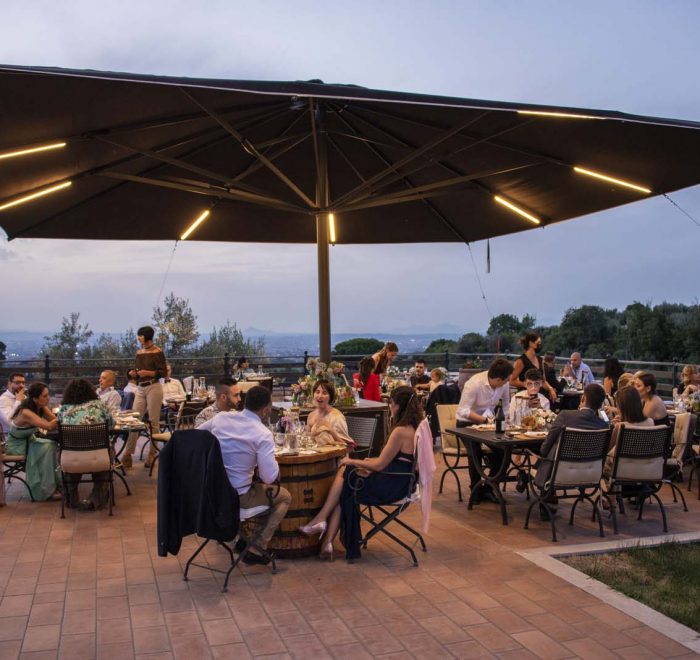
[[10, 399], [480, 395], [247, 444]]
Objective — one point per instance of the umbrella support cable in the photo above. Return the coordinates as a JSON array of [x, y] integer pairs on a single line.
[[478, 279], [683, 211], [167, 272]]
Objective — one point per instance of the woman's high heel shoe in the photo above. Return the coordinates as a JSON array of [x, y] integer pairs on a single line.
[[311, 530], [326, 551]]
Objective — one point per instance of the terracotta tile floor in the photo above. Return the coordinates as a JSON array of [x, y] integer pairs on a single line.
[[91, 586]]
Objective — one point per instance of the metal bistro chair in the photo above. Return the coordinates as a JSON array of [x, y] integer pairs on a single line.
[[453, 453], [184, 421], [15, 464], [638, 468], [679, 453], [577, 465], [361, 430], [391, 510], [85, 449]]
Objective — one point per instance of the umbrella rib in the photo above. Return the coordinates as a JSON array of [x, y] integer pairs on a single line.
[[410, 184], [353, 195], [344, 156], [249, 147], [206, 189]]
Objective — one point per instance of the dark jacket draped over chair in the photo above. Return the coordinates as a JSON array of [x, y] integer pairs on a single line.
[[194, 493]]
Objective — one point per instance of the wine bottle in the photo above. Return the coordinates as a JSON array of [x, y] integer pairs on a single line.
[[500, 417]]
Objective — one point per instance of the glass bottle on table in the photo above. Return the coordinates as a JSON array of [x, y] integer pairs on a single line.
[[500, 417]]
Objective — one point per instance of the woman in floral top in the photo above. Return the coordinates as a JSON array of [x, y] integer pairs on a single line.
[[81, 405]]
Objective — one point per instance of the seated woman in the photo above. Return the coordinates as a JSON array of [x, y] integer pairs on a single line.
[[610, 406], [327, 424], [653, 405], [81, 405], [567, 373], [339, 510], [689, 380], [530, 398], [33, 414], [630, 412], [611, 374], [366, 381], [550, 373]]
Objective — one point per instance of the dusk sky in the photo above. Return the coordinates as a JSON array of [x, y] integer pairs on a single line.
[[635, 56]]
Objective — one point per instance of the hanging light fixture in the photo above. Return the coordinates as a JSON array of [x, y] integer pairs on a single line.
[[32, 150], [331, 228], [198, 221], [561, 115], [517, 209], [39, 193], [610, 179]]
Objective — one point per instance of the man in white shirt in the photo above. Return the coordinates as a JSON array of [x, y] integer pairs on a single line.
[[228, 397], [112, 399], [172, 387], [582, 372], [480, 396], [247, 444], [10, 399]]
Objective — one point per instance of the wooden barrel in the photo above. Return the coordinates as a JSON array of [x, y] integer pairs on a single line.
[[308, 479]]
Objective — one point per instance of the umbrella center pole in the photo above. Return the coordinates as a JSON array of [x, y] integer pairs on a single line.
[[322, 204]]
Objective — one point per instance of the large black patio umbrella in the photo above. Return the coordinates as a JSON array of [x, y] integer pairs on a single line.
[[110, 156]]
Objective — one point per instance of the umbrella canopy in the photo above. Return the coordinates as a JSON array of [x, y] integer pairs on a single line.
[[101, 155]]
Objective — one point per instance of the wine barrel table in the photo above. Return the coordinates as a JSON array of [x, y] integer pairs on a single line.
[[308, 478]]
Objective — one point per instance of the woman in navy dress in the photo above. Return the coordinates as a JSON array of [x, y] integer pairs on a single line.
[[340, 512]]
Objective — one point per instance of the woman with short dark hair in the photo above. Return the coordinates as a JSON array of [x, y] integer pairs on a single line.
[[81, 405], [41, 470], [327, 424]]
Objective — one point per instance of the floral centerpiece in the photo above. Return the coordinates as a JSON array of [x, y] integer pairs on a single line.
[[543, 417], [303, 389], [692, 403], [344, 396]]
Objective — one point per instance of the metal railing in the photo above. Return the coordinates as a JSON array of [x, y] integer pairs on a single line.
[[285, 370]]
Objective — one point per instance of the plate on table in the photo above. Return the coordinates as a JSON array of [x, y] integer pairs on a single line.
[[532, 435], [572, 392], [484, 427]]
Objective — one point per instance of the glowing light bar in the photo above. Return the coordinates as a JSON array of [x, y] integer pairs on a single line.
[[200, 219], [33, 150], [611, 179], [40, 193], [331, 227], [517, 209], [564, 115]]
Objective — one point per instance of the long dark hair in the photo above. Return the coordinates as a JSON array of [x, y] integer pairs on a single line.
[[383, 357], [34, 391], [79, 391], [629, 403], [366, 368], [410, 412], [613, 370]]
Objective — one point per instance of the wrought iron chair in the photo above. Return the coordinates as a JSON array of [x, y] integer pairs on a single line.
[[638, 468], [577, 466], [679, 453], [15, 464], [391, 510], [453, 453], [361, 430], [85, 449]]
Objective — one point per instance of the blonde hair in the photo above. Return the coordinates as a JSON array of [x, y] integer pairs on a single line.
[[625, 379]]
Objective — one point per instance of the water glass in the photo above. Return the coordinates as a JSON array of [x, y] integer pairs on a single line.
[[291, 442], [280, 439]]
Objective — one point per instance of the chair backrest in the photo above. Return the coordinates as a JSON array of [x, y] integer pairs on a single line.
[[580, 456], [640, 453], [84, 447], [187, 414], [683, 432], [127, 401], [361, 429], [447, 418]]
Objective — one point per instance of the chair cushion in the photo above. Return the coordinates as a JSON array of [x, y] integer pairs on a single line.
[[640, 469], [161, 437], [81, 462], [13, 458], [245, 514], [572, 473], [452, 451]]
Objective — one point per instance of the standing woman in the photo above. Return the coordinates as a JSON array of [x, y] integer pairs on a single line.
[[367, 381], [529, 359], [33, 413], [384, 357], [150, 366], [611, 374]]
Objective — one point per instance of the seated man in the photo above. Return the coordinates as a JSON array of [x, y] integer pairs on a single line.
[[111, 398], [228, 397], [530, 398], [10, 400], [480, 396], [580, 370], [420, 380], [247, 444], [172, 387], [586, 417]]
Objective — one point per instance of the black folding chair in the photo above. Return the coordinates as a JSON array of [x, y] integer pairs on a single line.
[[577, 466], [85, 449], [361, 430], [15, 464]]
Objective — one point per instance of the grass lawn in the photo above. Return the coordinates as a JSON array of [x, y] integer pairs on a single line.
[[666, 577]]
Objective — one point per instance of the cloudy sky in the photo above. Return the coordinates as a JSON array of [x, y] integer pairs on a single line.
[[636, 56]]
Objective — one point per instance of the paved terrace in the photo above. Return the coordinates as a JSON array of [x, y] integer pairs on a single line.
[[93, 586]]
